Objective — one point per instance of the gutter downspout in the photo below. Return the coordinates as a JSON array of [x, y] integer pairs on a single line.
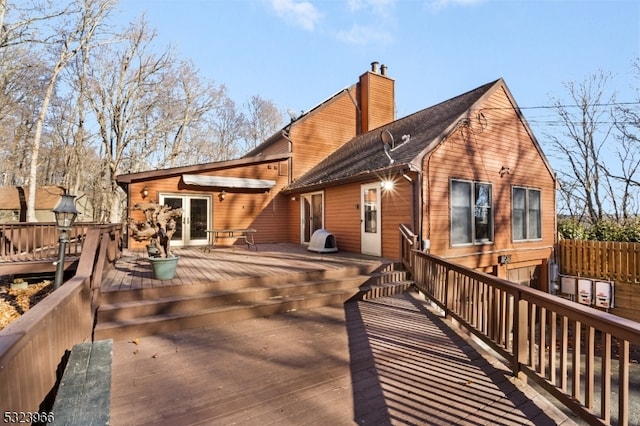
[[285, 134], [421, 217]]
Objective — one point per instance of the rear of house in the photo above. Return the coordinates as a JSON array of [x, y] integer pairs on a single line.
[[467, 176]]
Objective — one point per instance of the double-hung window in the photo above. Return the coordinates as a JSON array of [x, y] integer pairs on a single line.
[[471, 212], [526, 214]]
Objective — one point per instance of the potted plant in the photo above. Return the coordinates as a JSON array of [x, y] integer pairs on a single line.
[[157, 228]]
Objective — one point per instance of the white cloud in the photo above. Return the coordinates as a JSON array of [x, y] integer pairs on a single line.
[[363, 35], [441, 4], [379, 6], [300, 13]]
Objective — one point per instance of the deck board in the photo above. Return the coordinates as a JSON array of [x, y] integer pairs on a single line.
[[385, 361]]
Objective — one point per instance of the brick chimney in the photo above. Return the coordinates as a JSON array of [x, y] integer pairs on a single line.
[[376, 92]]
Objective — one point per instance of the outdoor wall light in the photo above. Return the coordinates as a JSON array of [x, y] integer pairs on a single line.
[[144, 192], [65, 213], [387, 185], [222, 195]]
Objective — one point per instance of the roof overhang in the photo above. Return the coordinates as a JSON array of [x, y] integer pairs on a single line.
[[365, 176], [228, 182], [126, 179]]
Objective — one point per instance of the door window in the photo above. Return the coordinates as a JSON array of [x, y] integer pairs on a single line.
[[196, 217], [312, 214]]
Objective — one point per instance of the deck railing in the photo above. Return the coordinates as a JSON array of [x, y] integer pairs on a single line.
[[569, 349], [33, 348], [22, 241]]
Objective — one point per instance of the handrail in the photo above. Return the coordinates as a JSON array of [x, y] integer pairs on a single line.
[[553, 341], [27, 241], [41, 338], [408, 241]]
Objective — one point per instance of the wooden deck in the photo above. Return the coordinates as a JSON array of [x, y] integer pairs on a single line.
[[384, 361], [198, 266]]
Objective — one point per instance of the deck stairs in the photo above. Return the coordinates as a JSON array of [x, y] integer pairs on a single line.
[[125, 315]]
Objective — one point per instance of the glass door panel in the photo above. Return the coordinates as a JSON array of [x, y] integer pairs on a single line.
[[312, 215], [196, 217], [370, 233], [175, 203]]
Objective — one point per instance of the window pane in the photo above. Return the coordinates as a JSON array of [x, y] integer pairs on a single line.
[[519, 214], [370, 213], [198, 220], [460, 212], [482, 214], [175, 203], [535, 217]]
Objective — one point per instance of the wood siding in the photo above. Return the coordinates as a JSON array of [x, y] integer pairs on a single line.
[[396, 209], [322, 132], [377, 101], [281, 146], [266, 211], [342, 215], [476, 151]]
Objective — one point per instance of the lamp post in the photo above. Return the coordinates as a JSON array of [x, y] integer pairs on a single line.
[[65, 213]]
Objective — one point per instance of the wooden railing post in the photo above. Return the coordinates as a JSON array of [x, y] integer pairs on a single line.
[[520, 329], [448, 291]]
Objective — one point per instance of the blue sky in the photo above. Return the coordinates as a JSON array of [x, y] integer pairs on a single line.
[[297, 53]]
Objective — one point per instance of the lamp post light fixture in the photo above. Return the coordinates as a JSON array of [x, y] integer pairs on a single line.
[[65, 213]]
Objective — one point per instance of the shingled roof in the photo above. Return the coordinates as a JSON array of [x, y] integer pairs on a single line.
[[365, 154]]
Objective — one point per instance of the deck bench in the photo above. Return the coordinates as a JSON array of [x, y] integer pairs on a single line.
[[84, 394], [245, 234]]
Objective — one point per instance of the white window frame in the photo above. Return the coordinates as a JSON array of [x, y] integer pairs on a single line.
[[527, 212], [470, 209]]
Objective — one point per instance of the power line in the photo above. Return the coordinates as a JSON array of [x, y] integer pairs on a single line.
[[608, 104]]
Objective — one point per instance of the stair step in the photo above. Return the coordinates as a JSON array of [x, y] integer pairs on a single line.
[[110, 297], [168, 322], [142, 312], [175, 304]]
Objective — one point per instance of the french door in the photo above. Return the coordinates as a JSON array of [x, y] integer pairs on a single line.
[[370, 223], [312, 215], [196, 218]]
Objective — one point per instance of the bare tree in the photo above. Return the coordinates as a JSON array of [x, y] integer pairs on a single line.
[[262, 120], [580, 147], [228, 124], [124, 99], [186, 101], [627, 177], [79, 23]]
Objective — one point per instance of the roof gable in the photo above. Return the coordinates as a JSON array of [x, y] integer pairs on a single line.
[[413, 136]]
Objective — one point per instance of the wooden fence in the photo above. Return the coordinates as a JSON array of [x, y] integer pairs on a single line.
[[606, 260], [609, 260], [33, 349]]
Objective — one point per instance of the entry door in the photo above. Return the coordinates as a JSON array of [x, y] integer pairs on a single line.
[[312, 215], [370, 230], [191, 231]]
